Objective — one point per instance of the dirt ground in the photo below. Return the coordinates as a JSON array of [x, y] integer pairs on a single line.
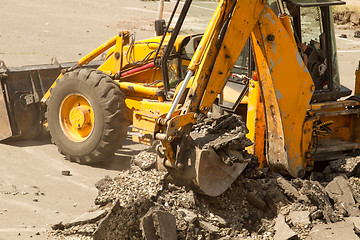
[[34, 31]]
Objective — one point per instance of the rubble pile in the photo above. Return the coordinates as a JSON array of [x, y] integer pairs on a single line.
[[347, 17], [259, 205], [124, 199], [141, 204]]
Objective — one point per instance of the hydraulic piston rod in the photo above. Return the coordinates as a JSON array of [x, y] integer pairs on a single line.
[[179, 95]]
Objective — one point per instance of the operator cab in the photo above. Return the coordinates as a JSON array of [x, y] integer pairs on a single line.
[[313, 25]]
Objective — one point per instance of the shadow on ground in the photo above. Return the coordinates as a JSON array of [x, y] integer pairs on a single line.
[[39, 141], [119, 161], [122, 158]]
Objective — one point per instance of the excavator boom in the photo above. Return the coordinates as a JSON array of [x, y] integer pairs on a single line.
[[286, 99]]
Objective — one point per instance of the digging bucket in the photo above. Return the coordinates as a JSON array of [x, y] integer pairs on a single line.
[[204, 170]]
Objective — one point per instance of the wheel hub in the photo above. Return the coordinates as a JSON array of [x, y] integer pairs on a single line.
[[79, 116], [76, 117]]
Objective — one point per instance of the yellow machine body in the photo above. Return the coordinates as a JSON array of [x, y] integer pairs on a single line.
[[286, 128], [141, 87]]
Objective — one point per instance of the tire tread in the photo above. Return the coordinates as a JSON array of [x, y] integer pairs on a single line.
[[114, 110]]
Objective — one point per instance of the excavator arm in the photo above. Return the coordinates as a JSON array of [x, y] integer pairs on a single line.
[[211, 64], [286, 89]]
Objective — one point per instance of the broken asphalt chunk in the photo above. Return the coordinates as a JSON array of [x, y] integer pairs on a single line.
[[333, 231], [282, 230], [339, 190], [158, 224]]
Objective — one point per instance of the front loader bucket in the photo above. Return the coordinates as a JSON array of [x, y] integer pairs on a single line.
[[21, 112], [204, 170]]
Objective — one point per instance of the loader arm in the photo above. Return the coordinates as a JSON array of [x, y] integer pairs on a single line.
[[283, 79]]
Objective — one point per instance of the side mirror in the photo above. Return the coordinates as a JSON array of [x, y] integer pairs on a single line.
[[160, 27]]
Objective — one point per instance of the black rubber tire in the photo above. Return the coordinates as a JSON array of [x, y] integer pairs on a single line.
[[107, 102]]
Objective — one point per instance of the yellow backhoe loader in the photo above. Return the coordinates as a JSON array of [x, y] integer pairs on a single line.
[[291, 95]]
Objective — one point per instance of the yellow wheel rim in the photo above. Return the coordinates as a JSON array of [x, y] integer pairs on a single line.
[[76, 117]]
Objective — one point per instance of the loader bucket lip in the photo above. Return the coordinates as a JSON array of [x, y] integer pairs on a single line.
[[206, 173], [213, 176], [93, 64]]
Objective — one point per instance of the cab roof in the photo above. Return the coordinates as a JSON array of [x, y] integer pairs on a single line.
[[316, 3]]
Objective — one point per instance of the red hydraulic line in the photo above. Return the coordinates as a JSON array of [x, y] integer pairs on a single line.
[[138, 69]]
